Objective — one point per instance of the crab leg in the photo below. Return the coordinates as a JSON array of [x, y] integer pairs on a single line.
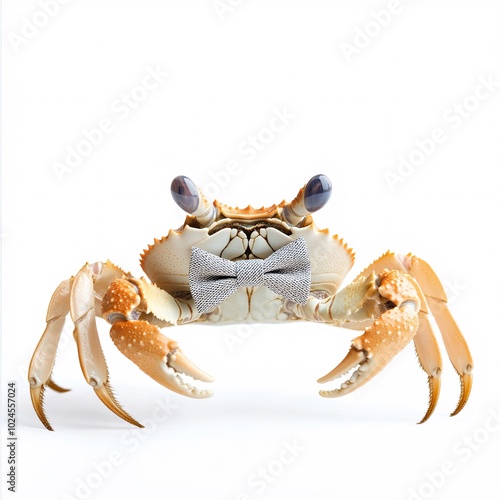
[[43, 359], [90, 353], [430, 360], [454, 341]]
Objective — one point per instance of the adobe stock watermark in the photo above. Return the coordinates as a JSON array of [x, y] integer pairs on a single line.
[[131, 441], [31, 26], [463, 450], [264, 476], [223, 7], [121, 108], [248, 149], [365, 34], [453, 289], [453, 118]]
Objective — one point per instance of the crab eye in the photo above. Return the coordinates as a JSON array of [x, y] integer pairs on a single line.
[[317, 192], [185, 193]]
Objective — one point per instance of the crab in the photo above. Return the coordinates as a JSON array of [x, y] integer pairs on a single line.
[[391, 301]]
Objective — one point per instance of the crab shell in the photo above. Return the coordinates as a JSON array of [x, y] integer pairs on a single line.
[[245, 234]]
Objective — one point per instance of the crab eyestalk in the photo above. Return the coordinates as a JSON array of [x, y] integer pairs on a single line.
[[313, 196], [190, 198]]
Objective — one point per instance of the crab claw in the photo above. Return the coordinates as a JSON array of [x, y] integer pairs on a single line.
[[158, 356], [373, 350], [365, 370], [352, 359]]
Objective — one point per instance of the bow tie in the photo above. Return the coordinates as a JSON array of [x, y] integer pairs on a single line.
[[287, 272]]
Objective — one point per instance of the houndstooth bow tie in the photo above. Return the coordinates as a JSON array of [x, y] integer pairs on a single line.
[[287, 272]]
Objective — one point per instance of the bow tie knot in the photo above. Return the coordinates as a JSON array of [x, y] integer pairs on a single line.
[[287, 272], [249, 273]]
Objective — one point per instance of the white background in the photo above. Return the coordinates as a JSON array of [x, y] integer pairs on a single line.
[[227, 71]]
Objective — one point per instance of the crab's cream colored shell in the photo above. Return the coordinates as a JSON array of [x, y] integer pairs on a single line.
[[166, 262]]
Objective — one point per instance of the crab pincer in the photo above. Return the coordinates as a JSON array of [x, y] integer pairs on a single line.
[[143, 343], [382, 340], [159, 357]]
